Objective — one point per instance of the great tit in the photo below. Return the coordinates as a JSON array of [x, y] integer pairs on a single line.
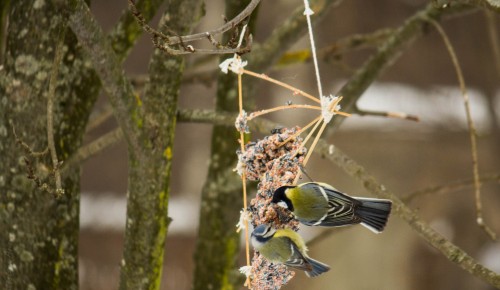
[[284, 246], [319, 204]]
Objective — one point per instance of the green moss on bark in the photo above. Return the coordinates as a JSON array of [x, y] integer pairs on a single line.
[[40, 249], [149, 175]]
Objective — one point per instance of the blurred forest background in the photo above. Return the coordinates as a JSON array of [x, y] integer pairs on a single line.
[[404, 156]]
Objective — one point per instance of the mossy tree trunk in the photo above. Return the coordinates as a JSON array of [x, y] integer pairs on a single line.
[[149, 172], [39, 231], [148, 125], [38, 247], [218, 244]]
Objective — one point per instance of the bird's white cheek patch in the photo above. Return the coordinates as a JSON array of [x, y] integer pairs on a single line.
[[282, 204]]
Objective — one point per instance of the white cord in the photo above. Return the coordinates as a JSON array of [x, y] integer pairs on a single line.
[[242, 34], [308, 12]]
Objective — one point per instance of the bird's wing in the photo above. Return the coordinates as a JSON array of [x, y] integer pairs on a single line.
[[341, 209], [297, 259]]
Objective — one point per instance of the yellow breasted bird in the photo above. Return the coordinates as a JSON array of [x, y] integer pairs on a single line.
[[284, 246], [319, 204]]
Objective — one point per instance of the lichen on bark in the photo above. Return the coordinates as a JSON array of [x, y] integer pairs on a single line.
[[40, 247], [149, 171]]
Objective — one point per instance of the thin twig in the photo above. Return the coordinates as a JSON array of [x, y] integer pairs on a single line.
[[300, 131], [50, 110], [142, 21], [282, 84], [126, 31], [182, 40], [93, 148], [26, 147], [281, 108], [244, 180], [320, 120], [304, 142], [311, 149], [227, 26], [243, 173], [206, 78], [449, 187], [101, 117], [472, 130], [331, 108], [395, 115]]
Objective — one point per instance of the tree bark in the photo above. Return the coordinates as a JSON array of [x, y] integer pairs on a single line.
[[149, 172], [39, 240]]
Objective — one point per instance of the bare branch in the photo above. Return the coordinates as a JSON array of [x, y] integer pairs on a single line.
[[93, 148], [127, 30], [26, 147], [50, 110], [472, 130], [388, 53], [395, 115], [109, 70], [449, 187], [101, 117], [165, 42], [447, 248], [227, 26]]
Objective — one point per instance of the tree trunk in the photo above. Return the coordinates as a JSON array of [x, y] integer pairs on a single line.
[[218, 244], [149, 175], [40, 231], [39, 247]]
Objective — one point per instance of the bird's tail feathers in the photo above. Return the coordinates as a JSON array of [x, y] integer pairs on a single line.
[[374, 213], [318, 268]]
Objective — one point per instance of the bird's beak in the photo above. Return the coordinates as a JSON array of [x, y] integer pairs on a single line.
[[283, 204]]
